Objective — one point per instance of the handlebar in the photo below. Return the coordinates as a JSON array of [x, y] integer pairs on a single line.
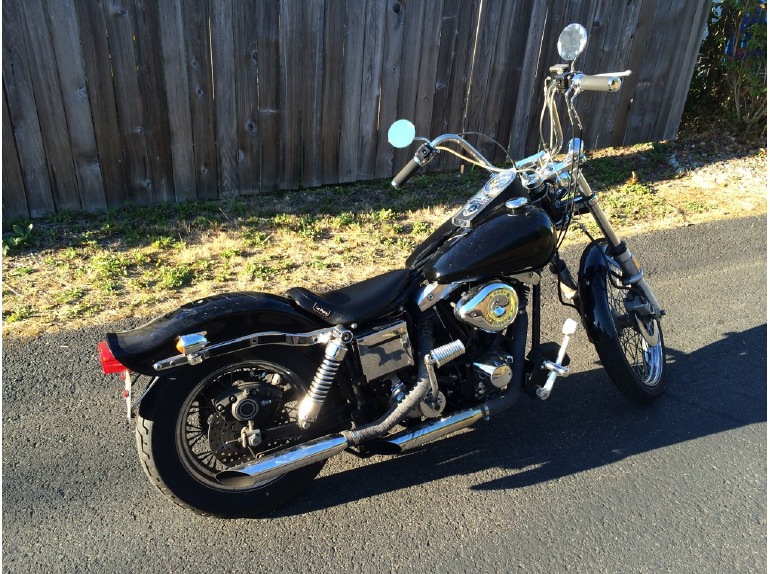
[[427, 151], [561, 80]]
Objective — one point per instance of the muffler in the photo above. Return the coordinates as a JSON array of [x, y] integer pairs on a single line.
[[427, 432], [281, 462], [276, 464]]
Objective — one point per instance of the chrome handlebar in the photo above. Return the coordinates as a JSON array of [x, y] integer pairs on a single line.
[[539, 164]]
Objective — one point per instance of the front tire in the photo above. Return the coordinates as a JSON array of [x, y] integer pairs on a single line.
[[191, 429], [634, 365]]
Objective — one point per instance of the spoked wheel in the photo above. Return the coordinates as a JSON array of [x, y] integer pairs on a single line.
[[635, 357], [231, 414]]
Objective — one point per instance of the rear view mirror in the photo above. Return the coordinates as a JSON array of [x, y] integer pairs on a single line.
[[401, 133], [572, 42]]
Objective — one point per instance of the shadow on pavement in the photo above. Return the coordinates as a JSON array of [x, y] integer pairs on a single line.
[[585, 424]]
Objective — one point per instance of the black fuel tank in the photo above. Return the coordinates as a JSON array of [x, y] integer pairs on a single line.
[[505, 243]]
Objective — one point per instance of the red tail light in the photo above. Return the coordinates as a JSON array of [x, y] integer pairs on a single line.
[[109, 363]]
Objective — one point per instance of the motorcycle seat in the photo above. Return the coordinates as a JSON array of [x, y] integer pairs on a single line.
[[357, 302]]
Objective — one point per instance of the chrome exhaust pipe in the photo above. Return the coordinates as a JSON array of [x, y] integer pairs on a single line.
[[430, 431], [281, 462], [293, 458]]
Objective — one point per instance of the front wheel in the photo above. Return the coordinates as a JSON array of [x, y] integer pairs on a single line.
[[634, 364], [194, 427]]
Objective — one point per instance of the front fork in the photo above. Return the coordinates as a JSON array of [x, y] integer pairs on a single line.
[[633, 276]]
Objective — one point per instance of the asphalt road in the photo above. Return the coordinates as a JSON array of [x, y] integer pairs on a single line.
[[583, 482]]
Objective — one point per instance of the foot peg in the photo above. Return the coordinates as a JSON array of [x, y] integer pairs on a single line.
[[557, 368]]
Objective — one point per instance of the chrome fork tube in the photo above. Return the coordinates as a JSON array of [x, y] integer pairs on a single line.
[[598, 212], [632, 271]]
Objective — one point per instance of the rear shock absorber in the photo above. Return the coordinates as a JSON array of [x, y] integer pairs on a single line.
[[335, 352]]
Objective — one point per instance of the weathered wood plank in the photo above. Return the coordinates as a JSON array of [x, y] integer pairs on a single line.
[[249, 120], [430, 41], [153, 90], [414, 18], [223, 54], [331, 109], [616, 48], [48, 99], [271, 112], [504, 79], [101, 95], [14, 198], [594, 17], [120, 33], [486, 53], [630, 103], [555, 20], [65, 36], [292, 84], [195, 15], [351, 90], [178, 103], [513, 73], [668, 118], [23, 114], [453, 72], [525, 114], [370, 88], [393, 40], [644, 88], [312, 65]]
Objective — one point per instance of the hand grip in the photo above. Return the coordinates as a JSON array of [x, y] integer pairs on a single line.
[[405, 174], [600, 83]]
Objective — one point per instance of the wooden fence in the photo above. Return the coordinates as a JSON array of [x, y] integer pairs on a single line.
[[113, 102]]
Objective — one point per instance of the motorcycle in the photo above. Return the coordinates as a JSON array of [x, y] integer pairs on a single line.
[[247, 395]]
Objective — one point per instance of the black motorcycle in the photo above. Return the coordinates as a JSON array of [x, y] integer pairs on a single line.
[[246, 395]]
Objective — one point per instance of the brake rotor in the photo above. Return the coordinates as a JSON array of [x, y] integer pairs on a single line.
[[224, 440]]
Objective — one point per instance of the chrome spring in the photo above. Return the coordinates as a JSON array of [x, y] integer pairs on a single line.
[[445, 353], [323, 379], [322, 382]]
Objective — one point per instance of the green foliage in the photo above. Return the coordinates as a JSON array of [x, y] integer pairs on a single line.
[[731, 72], [21, 313], [21, 237], [175, 277], [69, 295]]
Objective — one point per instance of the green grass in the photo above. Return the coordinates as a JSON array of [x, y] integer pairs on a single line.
[[146, 260]]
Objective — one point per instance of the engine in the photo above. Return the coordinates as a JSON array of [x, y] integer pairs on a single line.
[[491, 307]]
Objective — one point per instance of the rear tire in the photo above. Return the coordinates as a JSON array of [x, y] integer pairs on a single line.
[[634, 366], [183, 441]]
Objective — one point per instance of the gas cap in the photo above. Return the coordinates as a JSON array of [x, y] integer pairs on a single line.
[[516, 204]]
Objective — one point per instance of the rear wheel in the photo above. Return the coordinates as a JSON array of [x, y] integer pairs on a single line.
[[634, 357], [192, 429]]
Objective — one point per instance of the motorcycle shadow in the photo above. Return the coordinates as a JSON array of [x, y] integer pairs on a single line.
[[586, 424]]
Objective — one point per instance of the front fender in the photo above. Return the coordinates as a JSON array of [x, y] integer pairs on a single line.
[[592, 289], [222, 317]]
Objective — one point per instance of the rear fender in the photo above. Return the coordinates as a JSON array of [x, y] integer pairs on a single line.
[[592, 287], [222, 317]]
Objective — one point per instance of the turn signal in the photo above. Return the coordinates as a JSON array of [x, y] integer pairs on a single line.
[[188, 344], [109, 363]]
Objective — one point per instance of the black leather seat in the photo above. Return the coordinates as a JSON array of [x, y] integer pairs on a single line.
[[357, 302]]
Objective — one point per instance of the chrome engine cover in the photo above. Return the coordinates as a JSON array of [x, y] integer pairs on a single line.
[[384, 350], [493, 370], [491, 307]]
